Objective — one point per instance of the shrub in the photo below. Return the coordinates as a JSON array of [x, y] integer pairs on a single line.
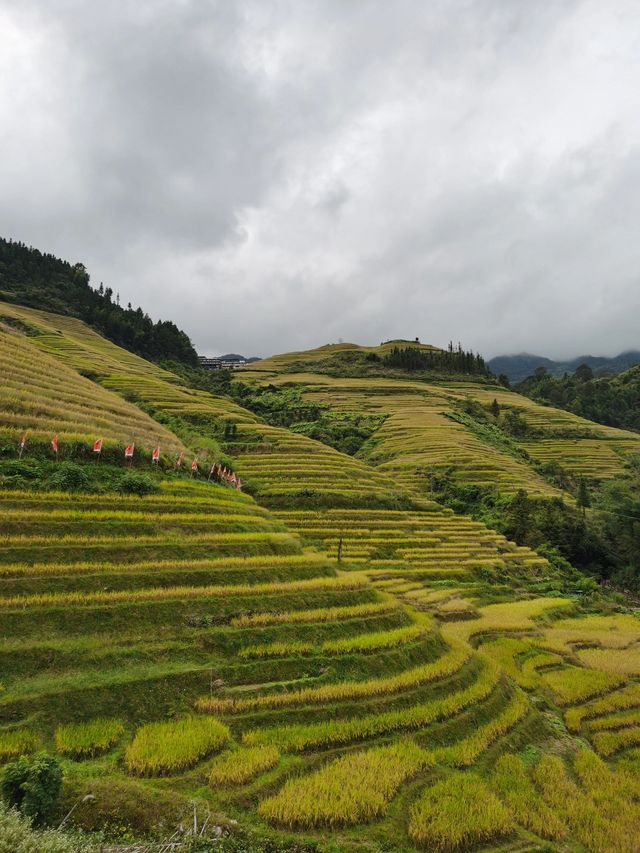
[[69, 477], [137, 484], [17, 836], [32, 785]]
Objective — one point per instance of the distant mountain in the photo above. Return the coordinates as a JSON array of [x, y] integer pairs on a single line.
[[519, 367], [234, 356]]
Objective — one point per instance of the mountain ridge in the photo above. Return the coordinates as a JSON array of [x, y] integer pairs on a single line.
[[519, 366]]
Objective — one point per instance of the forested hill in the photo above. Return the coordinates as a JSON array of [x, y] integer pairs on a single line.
[[520, 367], [613, 401], [30, 277]]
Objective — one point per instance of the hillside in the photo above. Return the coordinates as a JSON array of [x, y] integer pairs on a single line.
[[519, 367], [331, 655], [40, 280], [611, 401]]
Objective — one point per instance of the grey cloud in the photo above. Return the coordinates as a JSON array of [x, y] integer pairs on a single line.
[[276, 174]]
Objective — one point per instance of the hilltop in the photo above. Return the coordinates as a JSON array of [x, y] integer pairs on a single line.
[[348, 653]]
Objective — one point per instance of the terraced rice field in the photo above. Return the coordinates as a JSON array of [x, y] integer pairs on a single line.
[[419, 439], [41, 396], [372, 673]]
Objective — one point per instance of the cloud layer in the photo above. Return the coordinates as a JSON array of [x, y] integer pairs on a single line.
[[279, 174]]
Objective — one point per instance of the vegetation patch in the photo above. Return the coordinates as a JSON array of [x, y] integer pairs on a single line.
[[352, 789], [84, 740], [458, 812], [239, 766], [168, 747]]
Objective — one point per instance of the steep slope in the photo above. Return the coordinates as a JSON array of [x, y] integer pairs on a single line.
[[319, 666], [40, 396]]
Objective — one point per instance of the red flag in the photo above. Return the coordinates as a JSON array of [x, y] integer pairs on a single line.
[[155, 454], [194, 465], [23, 441], [179, 460], [97, 445], [128, 451], [54, 443]]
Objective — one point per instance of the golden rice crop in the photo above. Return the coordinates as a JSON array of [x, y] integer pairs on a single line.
[[629, 697], [82, 740], [572, 684], [259, 563], [465, 751], [458, 812], [511, 781], [84, 599], [353, 789], [15, 742], [579, 810], [377, 639], [602, 783], [513, 616], [618, 661], [166, 747], [448, 664], [608, 743], [300, 737], [317, 614], [239, 766], [276, 650], [611, 722]]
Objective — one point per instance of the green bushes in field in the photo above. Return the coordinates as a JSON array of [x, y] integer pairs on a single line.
[[18, 836], [167, 747], [32, 785], [137, 484], [69, 477]]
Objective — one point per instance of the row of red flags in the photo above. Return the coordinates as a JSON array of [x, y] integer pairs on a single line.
[[218, 472]]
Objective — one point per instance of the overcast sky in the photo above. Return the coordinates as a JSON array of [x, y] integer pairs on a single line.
[[279, 174]]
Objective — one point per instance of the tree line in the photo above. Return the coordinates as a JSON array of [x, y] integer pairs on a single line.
[[613, 401], [451, 360], [39, 280]]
